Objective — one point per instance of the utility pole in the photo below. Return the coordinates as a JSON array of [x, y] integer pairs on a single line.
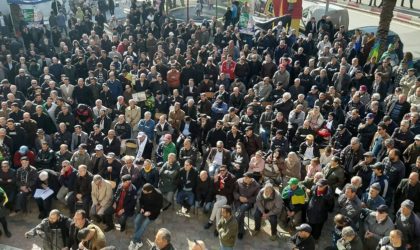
[[327, 6], [188, 11]]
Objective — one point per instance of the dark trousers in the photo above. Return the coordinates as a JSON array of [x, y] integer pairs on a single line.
[[21, 201], [316, 229], [44, 206], [240, 215], [74, 205], [108, 217], [272, 219], [3, 222]]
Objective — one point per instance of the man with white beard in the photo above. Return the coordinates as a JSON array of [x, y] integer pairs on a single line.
[[409, 224]]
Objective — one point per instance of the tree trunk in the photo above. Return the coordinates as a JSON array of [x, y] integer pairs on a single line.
[[384, 23]]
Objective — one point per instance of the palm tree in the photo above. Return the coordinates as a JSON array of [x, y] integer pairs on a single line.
[[384, 23]]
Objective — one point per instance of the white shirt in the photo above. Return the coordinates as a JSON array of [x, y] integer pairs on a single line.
[[218, 158]]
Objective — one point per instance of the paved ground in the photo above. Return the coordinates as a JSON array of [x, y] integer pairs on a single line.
[[185, 229]]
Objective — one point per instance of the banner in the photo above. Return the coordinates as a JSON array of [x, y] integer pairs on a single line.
[[26, 1]]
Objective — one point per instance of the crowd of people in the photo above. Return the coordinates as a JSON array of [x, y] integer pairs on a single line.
[[120, 119]]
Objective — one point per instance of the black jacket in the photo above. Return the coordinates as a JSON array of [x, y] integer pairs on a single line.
[[129, 203], [187, 182], [73, 242], [152, 203], [319, 206]]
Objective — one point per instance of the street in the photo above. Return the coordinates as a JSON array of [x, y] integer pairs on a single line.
[[408, 33]]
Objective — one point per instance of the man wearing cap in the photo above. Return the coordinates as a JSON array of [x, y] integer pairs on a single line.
[[409, 224], [293, 197], [349, 239], [376, 226], [268, 206], [334, 173], [378, 176], [321, 202], [26, 177], [408, 81], [303, 239], [366, 130], [341, 138], [349, 203], [244, 194], [412, 152], [124, 202], [371, 200], [408, 189]]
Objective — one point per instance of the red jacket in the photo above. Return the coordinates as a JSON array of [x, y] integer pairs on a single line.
[[229, 70], [16, 158]]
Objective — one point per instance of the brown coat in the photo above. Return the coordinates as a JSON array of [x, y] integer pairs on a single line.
[[98, 241]]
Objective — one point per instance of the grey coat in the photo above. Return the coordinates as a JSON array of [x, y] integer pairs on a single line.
[[379, 230]]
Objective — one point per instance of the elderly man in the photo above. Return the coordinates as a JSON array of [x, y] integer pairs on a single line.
[[269, 205], [26, 177], [376, 226], [393, 241], [408, 189], [372, 200], [163, 240], [408, 223], [145, 146], [349, 204], [244, 194], [349, 239], [101, 200], [81, 196]]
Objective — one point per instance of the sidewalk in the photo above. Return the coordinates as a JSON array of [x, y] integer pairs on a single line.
[[402, 14]]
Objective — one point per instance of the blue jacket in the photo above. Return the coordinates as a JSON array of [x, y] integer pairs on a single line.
[[148, 127]]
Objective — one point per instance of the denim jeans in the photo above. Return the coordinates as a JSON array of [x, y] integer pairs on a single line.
[[185, 195], [213, 168], [140, 224], [265, 137]]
